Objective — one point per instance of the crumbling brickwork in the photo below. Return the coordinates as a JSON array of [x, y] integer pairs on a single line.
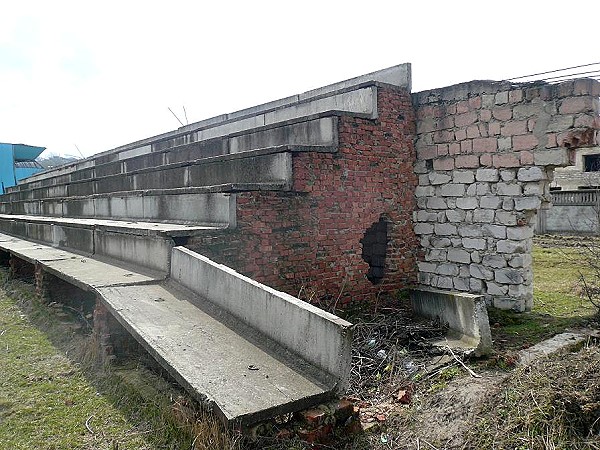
[[485, 156], [307, 242]]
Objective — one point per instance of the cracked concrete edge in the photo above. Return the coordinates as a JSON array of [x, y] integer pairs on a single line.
[[561, 343]]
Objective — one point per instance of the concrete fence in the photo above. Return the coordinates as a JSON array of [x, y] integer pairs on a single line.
[[575, 212]]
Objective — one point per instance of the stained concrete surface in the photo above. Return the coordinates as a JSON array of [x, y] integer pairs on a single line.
[[243, 382]]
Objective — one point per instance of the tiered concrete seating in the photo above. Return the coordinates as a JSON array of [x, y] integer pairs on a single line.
[[131, 207]]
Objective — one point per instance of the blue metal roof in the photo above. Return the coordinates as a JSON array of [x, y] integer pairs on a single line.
[[22, 152]]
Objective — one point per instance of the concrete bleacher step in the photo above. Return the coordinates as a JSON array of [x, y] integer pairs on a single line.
[[189, 205], [213, 357], [271, 164], [248, 369], [144, 244]]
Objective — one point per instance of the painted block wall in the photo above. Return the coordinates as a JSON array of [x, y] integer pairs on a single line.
[[486, 152]]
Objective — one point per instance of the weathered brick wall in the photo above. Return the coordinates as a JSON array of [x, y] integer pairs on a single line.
[[485, 156], [308, 242]]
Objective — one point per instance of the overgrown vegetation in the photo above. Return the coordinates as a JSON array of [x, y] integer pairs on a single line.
[[54, 394], [552, 405]]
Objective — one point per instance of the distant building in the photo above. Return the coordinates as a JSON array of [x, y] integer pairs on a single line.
[[17, 161], [584, 174]]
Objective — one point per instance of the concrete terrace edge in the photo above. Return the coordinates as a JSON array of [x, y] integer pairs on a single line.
[[272, 112], [465, 314], [319, 337]]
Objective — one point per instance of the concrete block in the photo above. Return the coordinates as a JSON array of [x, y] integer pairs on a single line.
[[495, 261], [507, 175], [483, 215], [496, 231], [447, 269], [474, 243], [510, 189], [519, 233], [426, 267], [488, 175], [511, 246], [444, 282], [444, 229], [436, 178], [508, 276], [461, 284], [359, 102], [437, 242], [399, 75], [426, 216], [531, 174], [475, 285], [467, 203], [561, 343], [463, 176], [534, 189], [496, 289], [318, 337], [436, 203], [481, 272], [73, 238], [506, 217], [531, 203], [452, 190], [470, 230], [465, 314], [490, 202], [151, 252], [424, 191], [318, 132], [455, 215], [423, 228], [435, 254], [556, 157]]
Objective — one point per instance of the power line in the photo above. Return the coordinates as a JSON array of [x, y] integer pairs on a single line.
[[552, 71]]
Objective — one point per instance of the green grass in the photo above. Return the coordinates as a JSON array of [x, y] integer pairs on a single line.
[[557, 303], [48, 395]]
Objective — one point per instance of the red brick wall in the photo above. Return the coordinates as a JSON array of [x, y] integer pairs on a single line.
[[307, 242]]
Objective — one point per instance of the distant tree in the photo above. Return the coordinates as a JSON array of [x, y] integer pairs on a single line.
[[53, 160]]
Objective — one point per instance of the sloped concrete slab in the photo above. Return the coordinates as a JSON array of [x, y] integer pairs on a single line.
[[215, 363]]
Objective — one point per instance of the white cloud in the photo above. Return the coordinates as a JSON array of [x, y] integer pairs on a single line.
[[101, 75]]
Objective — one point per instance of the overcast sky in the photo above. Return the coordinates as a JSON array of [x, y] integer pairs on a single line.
[[103, 74]]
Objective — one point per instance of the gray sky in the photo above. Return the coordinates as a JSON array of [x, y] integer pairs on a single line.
[[102, 74]]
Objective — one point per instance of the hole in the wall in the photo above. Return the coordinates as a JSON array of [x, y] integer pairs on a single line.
[[429, 164], [374, 248], [180, 240]]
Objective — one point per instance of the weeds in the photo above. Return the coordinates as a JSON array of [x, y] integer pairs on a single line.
[[552, 405]]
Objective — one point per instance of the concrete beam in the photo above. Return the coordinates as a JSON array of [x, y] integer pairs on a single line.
[[465, 314], [318, 337]]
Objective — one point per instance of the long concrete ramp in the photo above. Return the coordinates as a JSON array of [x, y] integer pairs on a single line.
[[248, 351]]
